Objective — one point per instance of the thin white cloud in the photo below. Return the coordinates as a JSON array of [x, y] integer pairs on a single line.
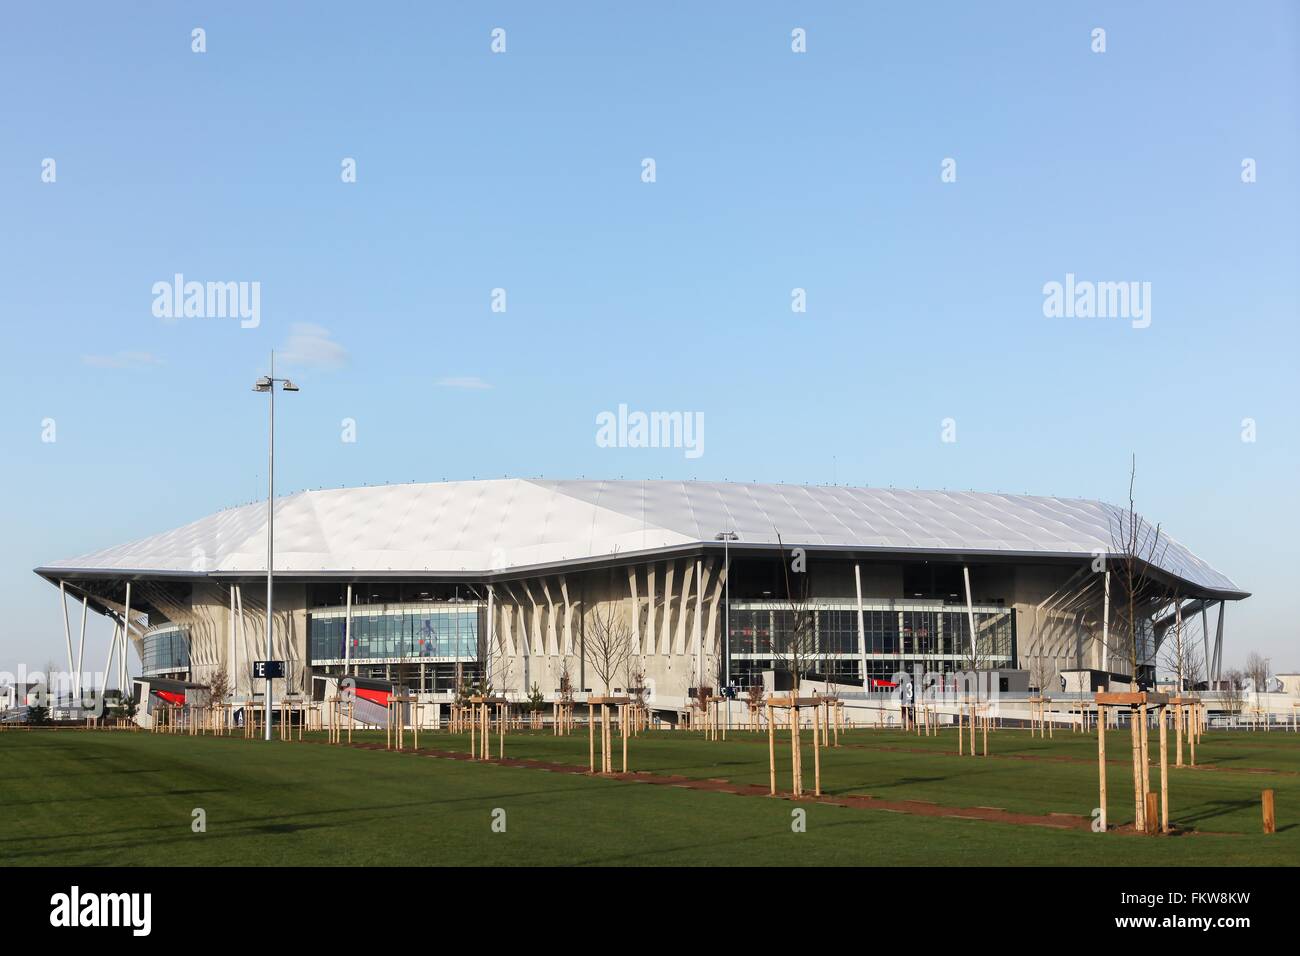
[[463, 381], [310, 346], [122, 360]]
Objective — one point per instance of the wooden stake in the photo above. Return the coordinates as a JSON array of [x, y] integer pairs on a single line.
[[1164, 771], [1138, 795], [1101, 761], [1146, 755], [771, 751], [1270, 820], [1179, 710], [817, 753], [796, 783]]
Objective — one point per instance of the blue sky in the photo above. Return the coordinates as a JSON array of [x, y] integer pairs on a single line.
[[775, 170]]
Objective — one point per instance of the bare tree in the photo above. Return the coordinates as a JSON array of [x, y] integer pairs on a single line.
[[1257, 671], [1232, 691], [1181, 659], [218, 686], [754, 698], [635, 680], [504, 673], [1136, 549], [403, 671], [608, 644], [1041, 670], [794, 649], [564, 682], [48, 694], [702, 694]]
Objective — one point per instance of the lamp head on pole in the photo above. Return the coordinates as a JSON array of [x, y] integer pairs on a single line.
[[263, 384]]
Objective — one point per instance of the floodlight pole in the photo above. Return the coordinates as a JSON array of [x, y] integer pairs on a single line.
[[726, 537], [270, 547], [267, 384]]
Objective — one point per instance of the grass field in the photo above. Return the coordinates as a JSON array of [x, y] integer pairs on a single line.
[[95, 797]]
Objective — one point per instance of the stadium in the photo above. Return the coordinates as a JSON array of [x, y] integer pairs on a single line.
[[430, 586]]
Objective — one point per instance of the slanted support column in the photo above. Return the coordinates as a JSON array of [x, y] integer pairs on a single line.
[[970, 616], [636, 609], [67, 633], [491, 634], [347, 633], [568, 616], [651, 589], [108, 663], [81, 647], [121, 656], [862, 628], [666, 631], [243, 647], [697, 636], [230, 643], [1205, 639], [1178, 639], [1218, 643], [126, 626]]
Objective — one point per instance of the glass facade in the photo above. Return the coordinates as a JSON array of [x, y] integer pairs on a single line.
[[388, 633], [896, 635], [165, 650]]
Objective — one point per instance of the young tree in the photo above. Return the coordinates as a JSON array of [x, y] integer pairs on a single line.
[[794, 650], [1041, 670], [754, 698], [49, 694], [1181, 659], [564, 684], [701, 700], [635, 679], [536, 699], [608, 643], [1232, 692], [1136, 549], [126, 707], [218, 686]]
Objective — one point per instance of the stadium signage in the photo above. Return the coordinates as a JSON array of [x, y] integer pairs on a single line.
[[267, 670]]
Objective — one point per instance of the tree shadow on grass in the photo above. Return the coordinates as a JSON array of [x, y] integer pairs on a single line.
[[351, 815], [1212, 810], [102, 798], [707, 851]]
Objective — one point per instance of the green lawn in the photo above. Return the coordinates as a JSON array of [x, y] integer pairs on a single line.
[[82, 797]]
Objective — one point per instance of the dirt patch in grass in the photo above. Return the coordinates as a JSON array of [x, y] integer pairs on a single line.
[[1054, 821]]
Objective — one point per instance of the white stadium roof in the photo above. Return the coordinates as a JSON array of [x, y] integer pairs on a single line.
[[494, 526]]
